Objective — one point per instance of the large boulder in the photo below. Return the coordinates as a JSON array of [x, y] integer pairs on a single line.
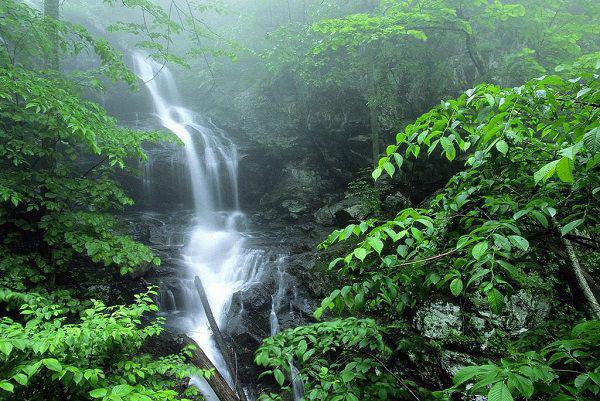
[[438, 320]]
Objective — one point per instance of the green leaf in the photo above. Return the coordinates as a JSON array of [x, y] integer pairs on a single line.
[[570, 227], [519, 242], [360, 253], [21, 379], [347, 375], [52, 364], [5, 347], [479, 250], [389, 168], [302, 346], [521, 383], [564, 170], [6, 386], [540, 218], [98, 393], [121, 390], [580, 380], [490, 99], [279, 377], [376, 173], [376, 244], [500, 392], [545, 172], [456, 287], [495, 300], [448, 148], [502, 146], [592, 140]]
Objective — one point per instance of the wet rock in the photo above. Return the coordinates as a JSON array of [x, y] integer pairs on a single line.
[[396, 201], [341, 213], [452, 361], [524, 311], [439, 320]]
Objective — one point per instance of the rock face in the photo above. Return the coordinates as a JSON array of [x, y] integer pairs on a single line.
[[439, 320]]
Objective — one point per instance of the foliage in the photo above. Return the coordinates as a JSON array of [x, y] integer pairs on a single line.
[[529, 177], [58, 195]]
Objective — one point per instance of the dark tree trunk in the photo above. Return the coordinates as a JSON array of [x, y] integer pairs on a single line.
[[216, 381]]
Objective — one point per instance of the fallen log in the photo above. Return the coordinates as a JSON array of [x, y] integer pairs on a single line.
[[216, 381], [226, 351]]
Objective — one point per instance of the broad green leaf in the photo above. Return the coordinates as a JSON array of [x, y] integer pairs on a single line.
[[502, 146], [564, 170], [592, 140], [570, 227], [456, 287], [500, 392], [545, 172], [479, 250], [360, 253], [521, 383], [279, 377], [448, 148], [376, 173], [519, 242], [99, 393], [52, 364], [495, 300], [376, 243]]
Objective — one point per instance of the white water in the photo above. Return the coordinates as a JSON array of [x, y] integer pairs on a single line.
[[215, 249]]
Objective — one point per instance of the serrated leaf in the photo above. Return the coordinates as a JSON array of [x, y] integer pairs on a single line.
[[52, 364], [448, 148], [592, 140]]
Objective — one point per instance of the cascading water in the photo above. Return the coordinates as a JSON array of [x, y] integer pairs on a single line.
[[215, 249]]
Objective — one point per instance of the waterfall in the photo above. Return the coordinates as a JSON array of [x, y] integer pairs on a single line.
[[215, 249], [276, 302]]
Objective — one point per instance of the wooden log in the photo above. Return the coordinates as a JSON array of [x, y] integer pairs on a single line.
[[217, 382], [226, 351]]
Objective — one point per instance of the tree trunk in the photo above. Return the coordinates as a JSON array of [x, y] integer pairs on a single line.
[[580, 276], [217, 382], [228, 354], [52, 10], [373, 120], [474, 55]]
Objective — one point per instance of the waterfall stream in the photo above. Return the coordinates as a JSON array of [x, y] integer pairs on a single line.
[[215, 249]]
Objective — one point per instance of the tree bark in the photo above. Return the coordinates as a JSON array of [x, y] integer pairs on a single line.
[[580, 276], [217, 382], [373, 120], [52, 10], [225, 349]]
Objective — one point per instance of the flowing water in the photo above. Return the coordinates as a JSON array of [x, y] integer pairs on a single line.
[[216, 248]]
